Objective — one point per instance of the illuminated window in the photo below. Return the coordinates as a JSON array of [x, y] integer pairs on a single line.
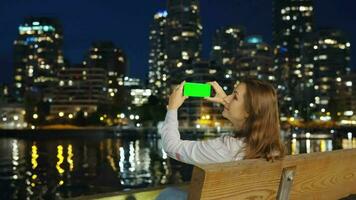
[[185, 55], [217, 47], [30, 72], [323, 57], [18, 78], [189, 71], [330, 41], [297, 72], [226, 60], [188, 34], [212, 71], [94, 56]]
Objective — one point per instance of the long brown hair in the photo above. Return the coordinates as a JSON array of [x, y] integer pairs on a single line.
[[261, 130]]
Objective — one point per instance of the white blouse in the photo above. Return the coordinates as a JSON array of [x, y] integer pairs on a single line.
[[221, 149]]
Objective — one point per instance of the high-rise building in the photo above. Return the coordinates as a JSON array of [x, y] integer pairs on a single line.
[[183, 36], [107, 56], [224, 52], [37, 57], [79, 89], [326, 58], [255, 60], [281, 73], [291, 21], [157, 75], [346, 100], [225, 44]]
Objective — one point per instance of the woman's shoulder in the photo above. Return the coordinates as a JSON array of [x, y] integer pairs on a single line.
[[233, 144], [232, 140]]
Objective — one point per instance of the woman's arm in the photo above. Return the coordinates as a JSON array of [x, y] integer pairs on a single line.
[[192, 152]]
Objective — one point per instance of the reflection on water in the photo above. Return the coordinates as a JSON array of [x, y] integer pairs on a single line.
[[50, 169], [298, 146], [320, 145], [309, 146], [31, 169]]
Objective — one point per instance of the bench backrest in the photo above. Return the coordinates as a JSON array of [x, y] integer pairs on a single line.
[[327, 175]]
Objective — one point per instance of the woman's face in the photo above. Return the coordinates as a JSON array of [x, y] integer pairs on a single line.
[[234, 107]]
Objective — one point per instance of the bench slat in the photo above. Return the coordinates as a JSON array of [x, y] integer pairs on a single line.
[[327, 175]]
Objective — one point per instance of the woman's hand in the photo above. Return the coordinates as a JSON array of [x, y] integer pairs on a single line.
[[219, 93], [176, 99]]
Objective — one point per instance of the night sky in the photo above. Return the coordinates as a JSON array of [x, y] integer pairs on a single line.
[[126, 23]]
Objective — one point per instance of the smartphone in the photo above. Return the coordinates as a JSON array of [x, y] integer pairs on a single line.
[[197, 89]]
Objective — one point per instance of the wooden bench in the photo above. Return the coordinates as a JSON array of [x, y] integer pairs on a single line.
[[327, 175]]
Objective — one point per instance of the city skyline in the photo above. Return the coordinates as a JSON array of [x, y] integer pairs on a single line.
[[77, 41]]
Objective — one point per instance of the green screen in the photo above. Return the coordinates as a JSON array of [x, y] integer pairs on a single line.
[[196, 89]]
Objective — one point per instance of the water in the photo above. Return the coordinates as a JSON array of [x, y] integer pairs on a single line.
[[59, 168]]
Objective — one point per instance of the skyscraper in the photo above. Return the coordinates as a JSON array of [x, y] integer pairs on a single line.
[[326, 58], [224, 52], [255, 60], [183, 36], [106, 55], [226, 42], [291, 21], [346, 100], [157, 75], [37, 57]]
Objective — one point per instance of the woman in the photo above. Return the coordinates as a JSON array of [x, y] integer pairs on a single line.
[[252, 109]]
